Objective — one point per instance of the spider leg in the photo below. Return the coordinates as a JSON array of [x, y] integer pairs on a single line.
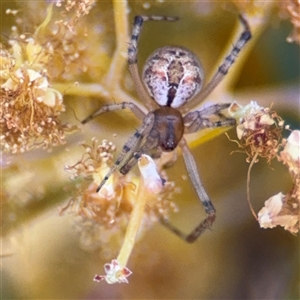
[[224, 67], [214, 109], [150, 143], [208, 206], [129, 148], [195, 120], [118, 106], [132, 55]]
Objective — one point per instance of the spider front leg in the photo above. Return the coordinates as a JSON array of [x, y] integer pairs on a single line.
[[207, 204], [130, 147], [224, 67], [198, 119], [118, 106], [132, 56], [151, 142]]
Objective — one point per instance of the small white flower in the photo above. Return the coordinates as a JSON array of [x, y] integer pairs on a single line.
[[270, 211], [32, 75], [152, 180], [251, 117], [266, 120], [115, 273], [268, 216], [238, 111], [291, 151]]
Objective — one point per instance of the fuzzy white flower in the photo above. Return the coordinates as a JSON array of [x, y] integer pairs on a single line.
[[268, 216], [152, 180], [290, 155], [251, 117], [115, 273]]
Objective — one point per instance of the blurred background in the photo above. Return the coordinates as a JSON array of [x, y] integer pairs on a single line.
[[42, 253]]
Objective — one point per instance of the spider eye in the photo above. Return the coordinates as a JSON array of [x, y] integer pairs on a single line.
[[173, 75], [168, 145]]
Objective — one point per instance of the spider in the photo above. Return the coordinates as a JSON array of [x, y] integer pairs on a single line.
[[172, 77]]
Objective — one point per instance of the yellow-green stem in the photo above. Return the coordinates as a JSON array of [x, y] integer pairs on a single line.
[[134, 224], [47, 19], [248, 185], [118, 63]]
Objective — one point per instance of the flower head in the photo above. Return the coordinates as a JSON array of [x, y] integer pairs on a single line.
[[259, 130], [115, 273], [292, 9], [290, 155], [279, 211], [29, 108], [153, 182], [105, 214]]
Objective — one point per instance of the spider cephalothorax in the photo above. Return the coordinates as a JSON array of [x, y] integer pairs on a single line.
[[173, 78]]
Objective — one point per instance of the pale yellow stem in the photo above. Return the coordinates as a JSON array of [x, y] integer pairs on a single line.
[[94, 90], [116, 70], [110, 87], [134, 224], [47, 20], [82, 89], [248, 185]]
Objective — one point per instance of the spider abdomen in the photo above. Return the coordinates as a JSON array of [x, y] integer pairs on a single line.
[[169, 125], [172, 76]]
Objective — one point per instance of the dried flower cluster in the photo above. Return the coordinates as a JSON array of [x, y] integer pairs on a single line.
[[287, 212], [64, 39], [290, 156], [107, 206], [30, 108], [258, 131], [104, 215], [292, 8], [280, 210], [259, 134], [81, 7]]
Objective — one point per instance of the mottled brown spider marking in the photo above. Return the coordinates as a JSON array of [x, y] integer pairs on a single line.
[[172, 76]]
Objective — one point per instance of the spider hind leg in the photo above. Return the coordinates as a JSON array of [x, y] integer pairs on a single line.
[[202, 195], [196, 232]]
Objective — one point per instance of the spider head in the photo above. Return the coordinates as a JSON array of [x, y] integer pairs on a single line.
[[168, 145], [172, 75]]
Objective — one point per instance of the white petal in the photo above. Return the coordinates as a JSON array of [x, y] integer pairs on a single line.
[[293, 145], [152, 180]]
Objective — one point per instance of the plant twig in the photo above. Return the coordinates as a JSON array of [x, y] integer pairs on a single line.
[[248, 185], [134, 224]]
